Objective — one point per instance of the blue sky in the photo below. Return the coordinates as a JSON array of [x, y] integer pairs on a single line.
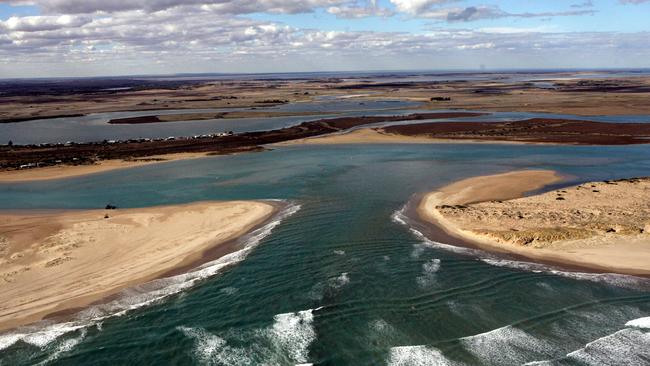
[[90, 37]]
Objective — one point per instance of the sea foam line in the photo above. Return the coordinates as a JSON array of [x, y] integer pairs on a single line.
[[615, 279], [44, 332]]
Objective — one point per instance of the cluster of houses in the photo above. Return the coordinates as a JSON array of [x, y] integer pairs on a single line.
[[130, 141], [82, 160]]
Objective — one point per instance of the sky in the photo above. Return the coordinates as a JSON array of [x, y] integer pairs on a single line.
[[55, 38]]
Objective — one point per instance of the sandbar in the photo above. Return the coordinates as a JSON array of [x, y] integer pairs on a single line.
[[379, 136], [51, 262], [101, 166], [603, 226]]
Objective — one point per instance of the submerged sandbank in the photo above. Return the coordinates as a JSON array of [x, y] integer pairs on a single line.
[[53, 262], [604, 226]]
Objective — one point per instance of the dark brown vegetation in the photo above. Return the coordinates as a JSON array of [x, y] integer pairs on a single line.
[[534, 130], [12, 157]]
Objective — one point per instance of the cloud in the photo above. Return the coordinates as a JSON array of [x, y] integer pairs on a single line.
[[415, 7], [473, 13], [351, 12], [434, 9], [143, 36], [224, 6], [43, 23], [582, 5]]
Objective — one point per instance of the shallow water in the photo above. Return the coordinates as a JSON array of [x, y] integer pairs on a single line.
[[343, 281], [95, 127]]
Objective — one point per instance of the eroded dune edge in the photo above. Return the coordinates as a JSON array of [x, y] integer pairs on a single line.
[[604, 226]]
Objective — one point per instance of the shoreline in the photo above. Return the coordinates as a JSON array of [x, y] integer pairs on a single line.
[[38, 296], [587, 257], [70, 171], [366, 135]]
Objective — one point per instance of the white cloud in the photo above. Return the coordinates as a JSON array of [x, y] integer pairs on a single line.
[[43, 23], [216, 35], [350, 12], [415, 7], [223, 6]]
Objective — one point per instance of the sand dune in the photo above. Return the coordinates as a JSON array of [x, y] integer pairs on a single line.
[[51, 262], [600, 225]]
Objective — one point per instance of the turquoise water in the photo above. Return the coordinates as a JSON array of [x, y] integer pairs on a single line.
[[341, 279]]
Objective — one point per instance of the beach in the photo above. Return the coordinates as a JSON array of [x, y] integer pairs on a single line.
[[101, 166], [603, 226], [53, 262]]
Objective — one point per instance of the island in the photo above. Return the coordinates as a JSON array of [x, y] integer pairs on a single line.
[[601, 226]]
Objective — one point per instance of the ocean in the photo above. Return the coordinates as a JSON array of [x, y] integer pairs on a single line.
[[340, 277]]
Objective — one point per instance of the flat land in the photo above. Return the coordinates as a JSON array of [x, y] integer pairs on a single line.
[[55, 261], [562, 93], [183, 117], [533, 131]]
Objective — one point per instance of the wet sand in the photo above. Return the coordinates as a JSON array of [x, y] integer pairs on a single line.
[[602, 226], [53, 262]]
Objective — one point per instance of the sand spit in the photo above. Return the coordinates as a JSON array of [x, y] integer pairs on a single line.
[[530, 131], [56, 261], [380, 136], [600, 225], [70, 171]]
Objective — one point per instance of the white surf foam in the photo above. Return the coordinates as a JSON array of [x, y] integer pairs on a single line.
[[286, 341], [607, 278], [340, 281], [614, 279], [36, 336], [294, 333], [213, 350], [65, 346], [399, 216], [45, 332], [642, 323], [417, 356], [630, 347], [428, 276], [506, 346]]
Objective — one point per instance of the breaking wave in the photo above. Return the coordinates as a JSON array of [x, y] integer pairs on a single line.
[[45, 332], [615, 279], [629, 346], [286, 341], [417, 356]]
